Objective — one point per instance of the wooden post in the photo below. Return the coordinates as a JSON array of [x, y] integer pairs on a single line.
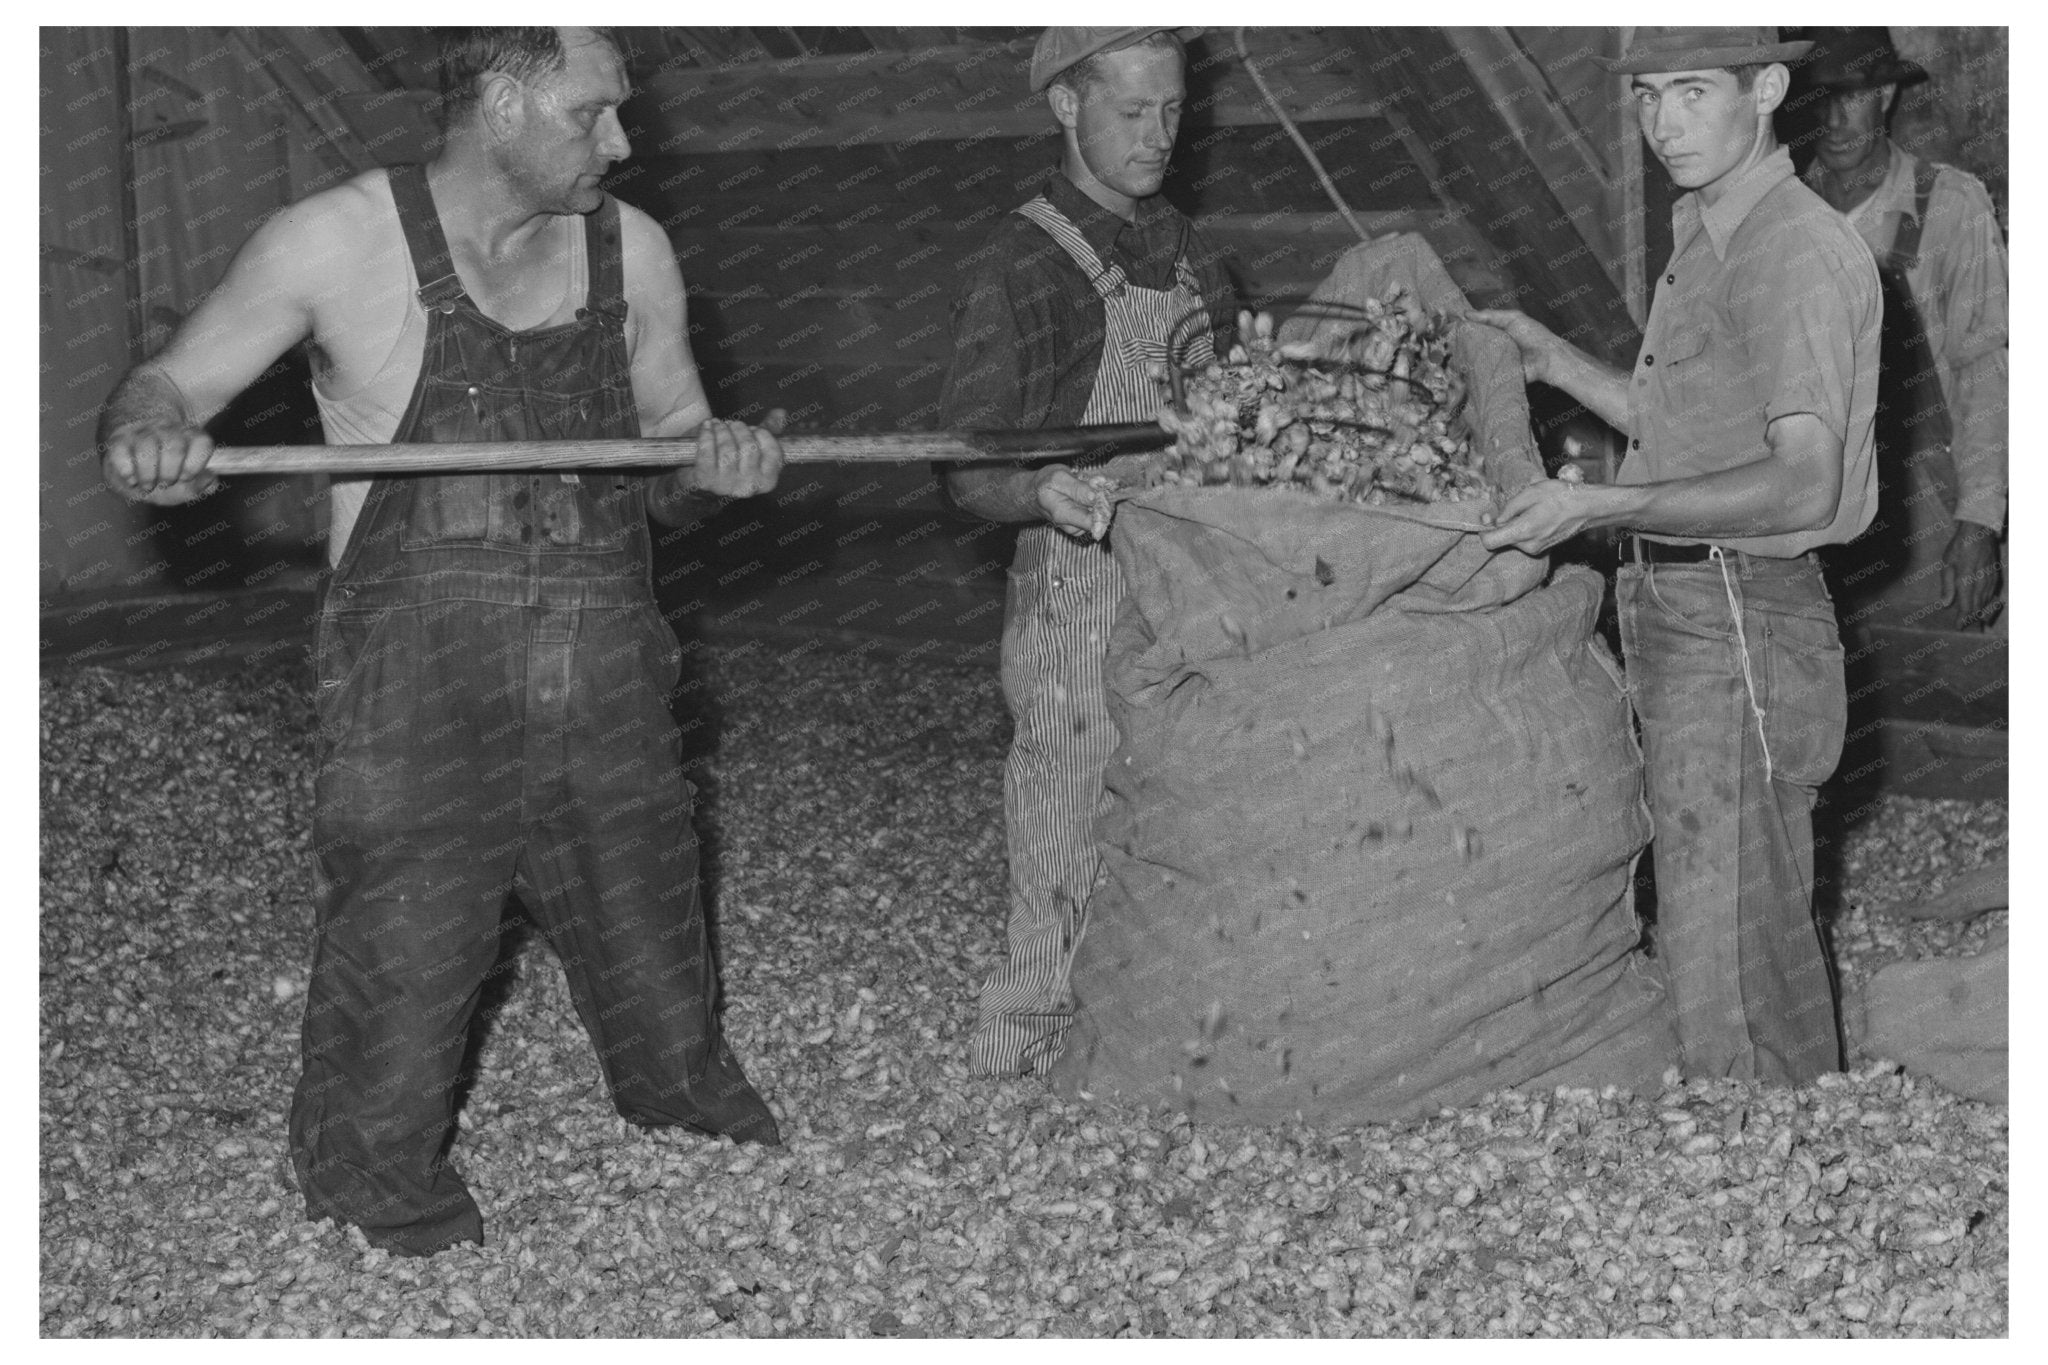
[[131, 233]]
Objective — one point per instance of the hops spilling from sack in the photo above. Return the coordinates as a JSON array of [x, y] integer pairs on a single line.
[[1382, 420]]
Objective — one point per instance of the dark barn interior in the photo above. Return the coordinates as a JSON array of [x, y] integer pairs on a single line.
[[825, 190]]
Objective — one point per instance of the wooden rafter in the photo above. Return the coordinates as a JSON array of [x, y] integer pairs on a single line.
[[728, 44], [1480, 166], [957, 93], [899, 39], [686, 41], [1549, 137]]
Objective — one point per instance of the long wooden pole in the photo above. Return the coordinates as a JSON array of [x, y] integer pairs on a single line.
[[895, 447]]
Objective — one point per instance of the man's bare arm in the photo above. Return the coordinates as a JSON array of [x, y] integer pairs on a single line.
[[734, 460], [153, 448], [1548, 358], [1796, 487]]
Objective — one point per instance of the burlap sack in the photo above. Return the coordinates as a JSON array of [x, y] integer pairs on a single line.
[[1375, 809]]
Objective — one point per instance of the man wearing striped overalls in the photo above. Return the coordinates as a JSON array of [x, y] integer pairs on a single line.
[[1077, 301]]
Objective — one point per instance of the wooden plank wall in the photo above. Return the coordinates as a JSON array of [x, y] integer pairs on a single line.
[[162, 149]]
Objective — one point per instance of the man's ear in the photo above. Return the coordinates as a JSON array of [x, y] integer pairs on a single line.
[[1066, 105], [502, 102], [1771, 84], [1887, 101]]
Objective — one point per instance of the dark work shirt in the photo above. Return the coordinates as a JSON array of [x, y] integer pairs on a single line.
[[1027, 327]]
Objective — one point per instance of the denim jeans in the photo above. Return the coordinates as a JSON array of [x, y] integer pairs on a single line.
[[470, 748], [1741, 725]]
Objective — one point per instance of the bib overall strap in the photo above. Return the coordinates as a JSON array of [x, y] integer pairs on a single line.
[[1905, 252], [433, 264], [605, 250], [1108, 281]]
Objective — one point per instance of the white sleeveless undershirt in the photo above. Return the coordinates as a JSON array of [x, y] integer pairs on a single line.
[[370, 415]]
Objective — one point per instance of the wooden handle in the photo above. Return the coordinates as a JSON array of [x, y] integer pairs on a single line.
[[889, 447]]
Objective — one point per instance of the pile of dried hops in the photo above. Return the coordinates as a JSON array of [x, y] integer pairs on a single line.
[[853, 812], [1378, 419]]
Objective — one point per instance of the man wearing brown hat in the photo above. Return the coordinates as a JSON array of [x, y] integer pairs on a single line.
[[1749, 414], [1941, 425], [1078, 301]]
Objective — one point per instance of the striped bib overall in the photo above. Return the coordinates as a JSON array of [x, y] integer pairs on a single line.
[[1063, 597]]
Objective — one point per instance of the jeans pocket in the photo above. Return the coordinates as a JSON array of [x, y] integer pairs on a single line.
[[1692, 601], [1806, 703]]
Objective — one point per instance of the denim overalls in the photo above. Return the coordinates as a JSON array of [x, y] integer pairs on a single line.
[[493, 679]]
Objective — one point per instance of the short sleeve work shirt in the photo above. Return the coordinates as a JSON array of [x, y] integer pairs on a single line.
[[1770, 306]]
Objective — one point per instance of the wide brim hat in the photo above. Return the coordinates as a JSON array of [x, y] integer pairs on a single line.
[[1857, 59], [1701, 49], [1060, 48]]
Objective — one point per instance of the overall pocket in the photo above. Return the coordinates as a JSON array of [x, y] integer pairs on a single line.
[[351, 651], [544, 512]]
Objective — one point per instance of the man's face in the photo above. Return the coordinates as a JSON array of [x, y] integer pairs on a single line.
[[1852, 127], [1125, 122], [569, 133], [1696, 122]]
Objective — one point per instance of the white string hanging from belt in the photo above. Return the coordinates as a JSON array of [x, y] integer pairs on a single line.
[[1742, 644]]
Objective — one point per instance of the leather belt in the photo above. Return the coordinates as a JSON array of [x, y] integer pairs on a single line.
[[1657, 552]]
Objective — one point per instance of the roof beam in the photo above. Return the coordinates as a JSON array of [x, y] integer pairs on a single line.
[[727, 44], [1481, 167], [954, 93], [1549, 137]]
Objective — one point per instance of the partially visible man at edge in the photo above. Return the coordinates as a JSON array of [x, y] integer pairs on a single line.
[[1942, 416], [493, 673], [1749, 415], [1083, 295]]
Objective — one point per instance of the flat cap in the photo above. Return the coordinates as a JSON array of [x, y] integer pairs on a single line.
[[1060, 48]]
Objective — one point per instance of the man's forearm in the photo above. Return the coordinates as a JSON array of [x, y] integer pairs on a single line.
[[1797, 487], [1757, 499], [144, 397], [1979, 417], [1599, 386]]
